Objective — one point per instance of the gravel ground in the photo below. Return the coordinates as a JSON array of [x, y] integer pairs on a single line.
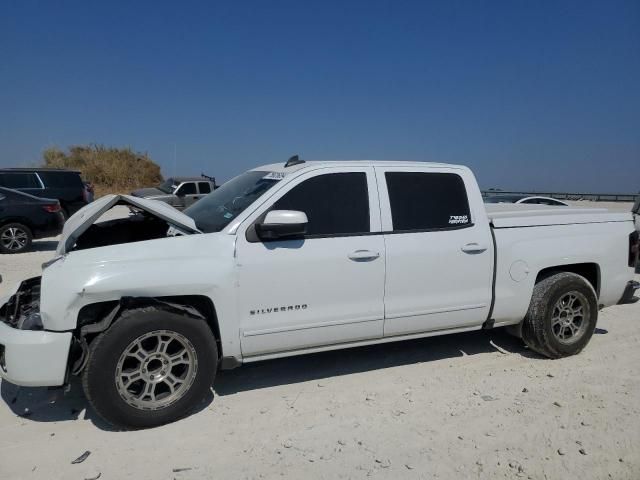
[[445, 407]]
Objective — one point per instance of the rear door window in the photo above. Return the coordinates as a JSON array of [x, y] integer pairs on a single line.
[[427, 201], [61, 179], [19, 180], [204, 187]]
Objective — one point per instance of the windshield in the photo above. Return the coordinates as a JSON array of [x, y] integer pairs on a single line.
[[216, 210], [168, 186]]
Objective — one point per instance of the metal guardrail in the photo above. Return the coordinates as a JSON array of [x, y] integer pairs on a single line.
[[596, 197]]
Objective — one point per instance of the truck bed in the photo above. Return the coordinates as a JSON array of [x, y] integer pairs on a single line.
[[507, 215]]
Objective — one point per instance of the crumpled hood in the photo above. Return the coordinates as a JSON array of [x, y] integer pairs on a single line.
[[149, 192], [80, 221]]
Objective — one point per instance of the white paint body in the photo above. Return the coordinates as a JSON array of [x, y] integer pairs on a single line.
[[344, 291]]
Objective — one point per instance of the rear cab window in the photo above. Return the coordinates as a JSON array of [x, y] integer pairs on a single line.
[[427, 201]]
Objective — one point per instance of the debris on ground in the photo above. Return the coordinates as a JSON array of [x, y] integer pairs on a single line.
[[81, 458], [500, 349]]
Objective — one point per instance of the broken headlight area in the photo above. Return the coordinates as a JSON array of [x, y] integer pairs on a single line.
[[22, 311]]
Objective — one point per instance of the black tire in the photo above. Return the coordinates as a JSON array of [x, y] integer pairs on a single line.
[[21, 232], [542, 334], [99, 379]]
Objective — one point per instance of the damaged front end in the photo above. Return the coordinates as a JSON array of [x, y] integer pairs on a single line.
[[30, 355], [22, 310]]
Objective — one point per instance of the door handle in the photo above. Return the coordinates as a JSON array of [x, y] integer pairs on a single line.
[[363, 255], [473, 247]]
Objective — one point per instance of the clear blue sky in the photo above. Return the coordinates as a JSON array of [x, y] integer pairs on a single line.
[[531, 95]]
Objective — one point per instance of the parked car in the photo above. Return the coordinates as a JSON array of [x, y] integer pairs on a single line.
[[300, 258], [179, 192], [636, 212], [530, 200], [66, 186], [24, 217]]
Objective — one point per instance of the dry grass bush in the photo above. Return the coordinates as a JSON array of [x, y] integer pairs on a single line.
[[111, 170]]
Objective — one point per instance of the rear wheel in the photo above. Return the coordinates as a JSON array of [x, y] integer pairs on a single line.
[[150, 368], [562, 315], [15, 238]]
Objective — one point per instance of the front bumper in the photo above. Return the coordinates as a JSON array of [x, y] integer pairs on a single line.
[[629, 291], [30, 357]]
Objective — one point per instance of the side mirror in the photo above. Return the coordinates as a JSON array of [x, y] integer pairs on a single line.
[[281, 224], [179, 192]]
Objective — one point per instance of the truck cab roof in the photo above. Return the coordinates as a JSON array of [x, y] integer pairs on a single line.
[[312, 164]]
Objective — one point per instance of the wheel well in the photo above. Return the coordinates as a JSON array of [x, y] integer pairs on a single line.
[[95, 312], [22, 221], [590, 271]]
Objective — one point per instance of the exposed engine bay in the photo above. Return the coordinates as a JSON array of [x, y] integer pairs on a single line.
[[117, 219], [137, 227]]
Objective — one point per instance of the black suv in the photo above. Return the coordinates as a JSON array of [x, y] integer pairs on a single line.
[[24, 217], [66, 186]]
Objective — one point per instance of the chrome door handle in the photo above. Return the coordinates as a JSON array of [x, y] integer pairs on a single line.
[[363, 255], [473, 247]]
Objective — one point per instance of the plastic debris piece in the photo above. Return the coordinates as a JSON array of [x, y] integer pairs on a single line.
[[81, 458]]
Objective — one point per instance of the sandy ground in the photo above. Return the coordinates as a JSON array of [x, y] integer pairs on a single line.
[[445, 407]]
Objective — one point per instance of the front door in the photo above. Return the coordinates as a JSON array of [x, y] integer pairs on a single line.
[[324, 288], [187, 195], [439, 262]]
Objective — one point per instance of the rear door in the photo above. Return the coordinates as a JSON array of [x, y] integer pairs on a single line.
[[67, 187], [324, 288], [438, 250]]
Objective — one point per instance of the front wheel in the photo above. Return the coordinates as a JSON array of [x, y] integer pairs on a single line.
[[562, 315], [150, 368]]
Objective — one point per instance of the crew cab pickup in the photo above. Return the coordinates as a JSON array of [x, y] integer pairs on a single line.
[[299, 258]]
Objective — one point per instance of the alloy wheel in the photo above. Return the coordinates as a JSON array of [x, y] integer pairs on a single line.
[[156, 370], [568, 322], [14, 239]]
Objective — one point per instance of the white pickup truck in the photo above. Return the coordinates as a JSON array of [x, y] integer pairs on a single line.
[[300, 258]]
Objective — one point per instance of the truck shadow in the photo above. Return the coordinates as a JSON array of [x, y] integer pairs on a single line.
[[45, 405], [335, 363]]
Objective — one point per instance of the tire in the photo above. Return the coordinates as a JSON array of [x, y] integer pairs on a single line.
[[108, 370], [562, 315], [15, 238]]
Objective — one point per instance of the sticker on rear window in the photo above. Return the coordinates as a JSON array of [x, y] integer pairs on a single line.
[[458, 219], [274, 176]]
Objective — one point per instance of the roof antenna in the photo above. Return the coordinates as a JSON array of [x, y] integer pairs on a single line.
[[295, 160]]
